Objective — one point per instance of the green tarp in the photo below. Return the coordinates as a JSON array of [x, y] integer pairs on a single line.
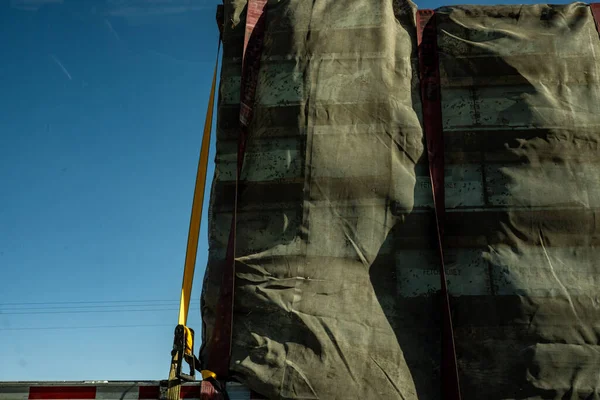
[[337, 275]]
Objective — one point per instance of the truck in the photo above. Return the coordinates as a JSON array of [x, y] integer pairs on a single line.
[[405, 206]]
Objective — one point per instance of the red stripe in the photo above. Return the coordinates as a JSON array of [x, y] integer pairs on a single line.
[[153, 392], [149, 392], [190, 392], [62, 392], [220, 343], [253, 43], [432, 105], [209, 392], [431, 97], [595, 7]]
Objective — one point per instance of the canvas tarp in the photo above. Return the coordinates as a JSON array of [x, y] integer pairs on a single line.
[[337, 272]]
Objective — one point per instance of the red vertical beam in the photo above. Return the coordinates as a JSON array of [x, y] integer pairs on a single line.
[[220, 342], [431, 99], [595, 8], [253, 44]]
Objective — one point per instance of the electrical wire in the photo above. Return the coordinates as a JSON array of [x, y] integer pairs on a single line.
[[15, 308], [12, 312], [77, 307], [45, 328], [89, 307], [89, 302]]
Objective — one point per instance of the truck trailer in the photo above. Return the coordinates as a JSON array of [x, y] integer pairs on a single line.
[[405, 206]]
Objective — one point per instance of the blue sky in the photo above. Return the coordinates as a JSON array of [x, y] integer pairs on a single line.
[[102, 107]]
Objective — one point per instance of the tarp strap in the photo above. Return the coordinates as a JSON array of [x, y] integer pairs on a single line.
[[434, 137], [207, 388], [220, 341], [198, 201], [595, 8], [189, 341]]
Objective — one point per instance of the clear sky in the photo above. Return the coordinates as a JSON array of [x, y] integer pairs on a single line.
[[102, 105], [102, 109]]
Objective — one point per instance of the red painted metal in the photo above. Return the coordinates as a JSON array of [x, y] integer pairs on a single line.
[[595, 8], [431, 99], [62, 392], [220, 342]]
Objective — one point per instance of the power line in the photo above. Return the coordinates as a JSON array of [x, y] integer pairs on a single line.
[[91, 311], [88, 302], [33, 328], [15, 308]]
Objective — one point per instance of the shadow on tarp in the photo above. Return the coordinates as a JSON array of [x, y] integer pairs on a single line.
[[493, 362]]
